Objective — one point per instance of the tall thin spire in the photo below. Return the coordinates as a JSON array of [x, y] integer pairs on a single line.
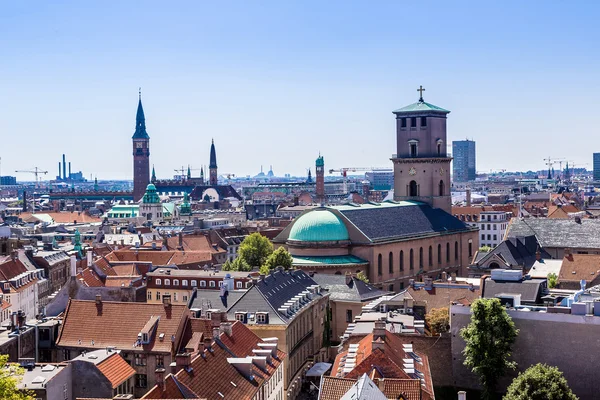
[[153, 179], [140, 121], [213, 156]]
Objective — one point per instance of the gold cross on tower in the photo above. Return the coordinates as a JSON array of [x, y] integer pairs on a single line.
[[421, 89]]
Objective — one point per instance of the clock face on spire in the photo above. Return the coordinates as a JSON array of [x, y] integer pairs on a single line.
[[139, 145], [412, 171]]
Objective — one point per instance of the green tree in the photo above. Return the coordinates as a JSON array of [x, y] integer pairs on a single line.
[[279, 258], [540, 382], [362, 276], [485, 249], [226, 266], [552, 280], [238, 264], [255, 249], [438, 320], [489, 337], [10, 376]]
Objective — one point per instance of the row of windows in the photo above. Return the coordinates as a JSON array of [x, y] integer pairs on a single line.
[[413, 189], [492, 227], [194, 283], [489, 237], [413, 148], [411, 258], [413, 122], [175, 296]]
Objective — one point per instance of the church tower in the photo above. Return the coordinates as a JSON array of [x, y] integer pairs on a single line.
[[421, 163], [320, 179], [141, 154], [212, 167]]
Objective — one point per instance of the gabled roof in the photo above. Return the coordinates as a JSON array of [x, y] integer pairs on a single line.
[[515, 252], [559, 233], [116, 370], [576, 267], [355, 290], [211, 376], [271, 293], [87, 325], [89, 278], [364, 389], [530, 289]]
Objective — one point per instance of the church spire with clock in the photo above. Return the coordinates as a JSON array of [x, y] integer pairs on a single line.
[[421, 163], [141, 153]]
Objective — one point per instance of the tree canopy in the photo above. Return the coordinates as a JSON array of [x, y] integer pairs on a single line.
[[438, 320], [279, 258], [239, 264], [362, 276], [10, 376], [489, 337], [255, 249], [552, 280], [540, 382]]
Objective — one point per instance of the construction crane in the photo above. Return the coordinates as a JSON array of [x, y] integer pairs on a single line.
[[550, 163], [36, 171], [183, 171], [344, 173]]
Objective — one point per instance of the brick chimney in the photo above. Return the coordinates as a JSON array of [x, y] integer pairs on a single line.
[[348, 278], [159, 375], [538, 254], [379, 329], [468, 196]]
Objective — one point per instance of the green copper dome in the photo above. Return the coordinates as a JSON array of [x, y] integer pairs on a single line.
[[150, 196], [320, 225]]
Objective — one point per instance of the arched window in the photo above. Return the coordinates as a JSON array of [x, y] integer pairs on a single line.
[[494, 265], [184, 282], [456, 250], [391, 261], [338, 273], [430, 256], [447, 252], [202, 283], [194, 283], [439, 253], [439, 149], [379, 266], [157, 281], [442, 189], [420, 257], [470, 248], [413, 189], [411, 259], [167, 282], [175, 282], [401, 260]]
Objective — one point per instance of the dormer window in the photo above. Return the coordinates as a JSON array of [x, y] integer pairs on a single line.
[[167, 282], [241, 316], [184, 282], [262, 318], [212, 284], [158, 281], [175, 282], [194, 283], [202, 283]]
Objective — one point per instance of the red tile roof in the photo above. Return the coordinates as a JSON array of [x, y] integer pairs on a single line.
[[11, 268], [215, 365], [385, 357], [576, 267], [116, 370], [88, 325], [89, 278], [333, 388], [103, 265], [63, 217]]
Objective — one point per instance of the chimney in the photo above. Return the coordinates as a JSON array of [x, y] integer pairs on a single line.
[[538, 254], [378, 344], [14, 255], [89, 256], [226, 327], [468, 195], [73, 266], [462, 395], [98, 299], [567, 251], [64, 165], [379, 329], [166, 300], [348, 278], [159, 375], [69, 169], [183, 360], [180, 241], [453, 277]]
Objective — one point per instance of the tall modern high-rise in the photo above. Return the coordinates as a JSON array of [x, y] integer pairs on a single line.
[[463, 165], [597, 166]]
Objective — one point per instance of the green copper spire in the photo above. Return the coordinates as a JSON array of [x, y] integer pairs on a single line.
[[320, 162], [153, 179], [186, 209], [95, 184], [213, 156], [151, 196], [77, 246], [189, 175], [140, 121]]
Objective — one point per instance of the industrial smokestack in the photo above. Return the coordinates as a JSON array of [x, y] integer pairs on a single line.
[[64, 168], [468, 195], [25, 200], [59, 170], [69, 169]]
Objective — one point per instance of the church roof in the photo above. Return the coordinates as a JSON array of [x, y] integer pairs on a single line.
[[319, 225], [420, 106]]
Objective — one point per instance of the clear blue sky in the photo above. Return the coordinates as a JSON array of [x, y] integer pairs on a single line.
[[277, 82]]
